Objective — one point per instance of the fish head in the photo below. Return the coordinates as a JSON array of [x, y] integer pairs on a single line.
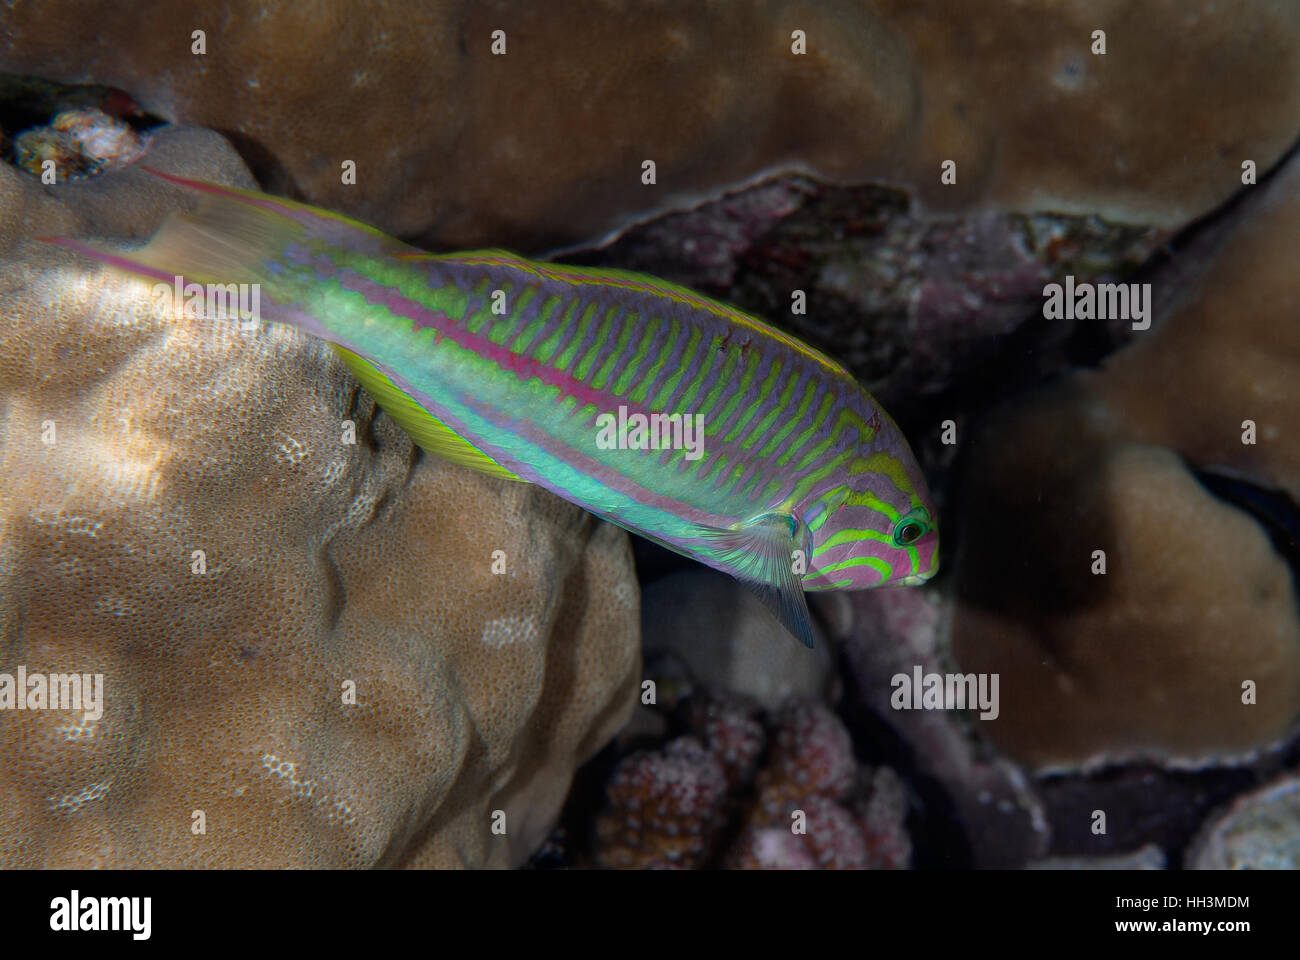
[[880, 527]]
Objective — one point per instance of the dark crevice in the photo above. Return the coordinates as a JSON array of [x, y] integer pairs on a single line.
[[271, 175], [1272, 507], [30, 102], [1090, 343], [933, 822]]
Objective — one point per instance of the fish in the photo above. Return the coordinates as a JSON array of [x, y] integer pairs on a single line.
[[674, 415]]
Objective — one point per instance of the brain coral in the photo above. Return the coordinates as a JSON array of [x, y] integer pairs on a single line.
[[308, 658], [542, 142]]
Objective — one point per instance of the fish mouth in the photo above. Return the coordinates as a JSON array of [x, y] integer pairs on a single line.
[[914, 580]]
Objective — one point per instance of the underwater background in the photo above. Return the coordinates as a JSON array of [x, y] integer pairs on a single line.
[[1052, 239]]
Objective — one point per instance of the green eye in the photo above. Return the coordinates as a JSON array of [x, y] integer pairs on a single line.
[[909, 530]]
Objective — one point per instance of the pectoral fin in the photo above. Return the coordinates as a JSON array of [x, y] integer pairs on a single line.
[[761, 553]]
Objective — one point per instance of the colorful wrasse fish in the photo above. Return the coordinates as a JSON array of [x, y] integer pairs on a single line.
[[783, 471]]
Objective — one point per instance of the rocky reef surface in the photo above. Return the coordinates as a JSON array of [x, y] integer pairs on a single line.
[[536, 137], [365, 657]]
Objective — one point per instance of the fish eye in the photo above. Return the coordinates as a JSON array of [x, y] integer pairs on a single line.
[[908, 533], [909, 530]]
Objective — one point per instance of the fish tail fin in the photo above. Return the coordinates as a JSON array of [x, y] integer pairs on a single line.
[[225, 247], [232, 233], [317, 224], [227, 239], [236, 236]]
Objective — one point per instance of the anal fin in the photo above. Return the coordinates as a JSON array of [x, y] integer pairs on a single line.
[[425, 429]]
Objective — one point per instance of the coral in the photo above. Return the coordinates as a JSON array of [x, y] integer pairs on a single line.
[[1259, 830], [881, 814], [811, 755], [543, 144], [1156, 658], [865, 833], [709, 245], [835, 835], [337, 677], [732, 734], [812, 781], [1196, 579], [994, 811], [1020, 100], [727, 637], [831, 840], [81, 143], [697, 802], [769, 848], [663, 808]]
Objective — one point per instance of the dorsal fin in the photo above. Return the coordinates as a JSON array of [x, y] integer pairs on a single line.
[[504, 256]]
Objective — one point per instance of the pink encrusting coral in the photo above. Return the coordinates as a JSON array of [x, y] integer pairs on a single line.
[[695, 802], [732, 734], [812, 755], [847, 816], [664, 808]]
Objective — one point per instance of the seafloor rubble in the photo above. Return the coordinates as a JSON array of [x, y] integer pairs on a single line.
[[344, 672]]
